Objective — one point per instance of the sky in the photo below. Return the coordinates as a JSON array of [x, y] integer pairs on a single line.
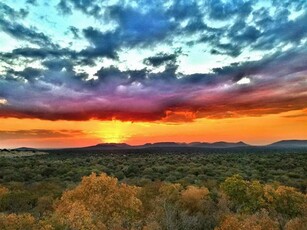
[[81, 72]]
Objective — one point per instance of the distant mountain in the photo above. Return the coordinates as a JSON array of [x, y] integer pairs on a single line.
[[167, 145], [162, 144], [220, 144], [289, 144], [109, 146], [25, 149]]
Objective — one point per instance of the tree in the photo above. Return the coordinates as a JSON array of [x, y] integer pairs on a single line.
[[18, 201], [250, 197], [297, 224], [99, 202], [17, 222], [22, 222], [193, 198], [235, 188], [289, 202], [3, 191], [258, 221], [160, 205]]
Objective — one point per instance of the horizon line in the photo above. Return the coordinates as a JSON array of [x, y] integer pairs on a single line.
[[159, 142]]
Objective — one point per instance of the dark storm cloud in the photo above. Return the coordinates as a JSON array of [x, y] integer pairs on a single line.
[[150, 23], [12, 14], [58, 64], [64, 8], [25, 55], [274, 30], [137, 75], [156, 24], [28, 73], [282, 32], [161, 59], [102, 44], [136, 27], [75, 32], [230, 49], [240, 36], [225, 10], [32, 2], [133, 27], [146, 96], [39, 53], [90, 7], [9, 24], [21, 32], [110, 74], [297, 5], [58, 89], [182, 10], [271, 30], [241, 32], [280, 64]]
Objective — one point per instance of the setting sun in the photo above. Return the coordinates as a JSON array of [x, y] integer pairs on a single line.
[[176, 114], [113, 132]]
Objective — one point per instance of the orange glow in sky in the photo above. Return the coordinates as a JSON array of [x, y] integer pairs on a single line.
[[51, 134], [140, 72]]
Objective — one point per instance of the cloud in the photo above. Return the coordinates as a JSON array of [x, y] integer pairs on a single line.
[[277, 84], [75, 32], [135, 26], [3, 101], [225, 10], [91, 8], [138, 27], [146, 24], [21, 54], [12, 14], [58, 64], [278, 32], [32, 2], [86, 76], [38, 134], [21, 32], [28, 73], [9, 24], [161, 59], [266, 30], [64, 8], [101, 44]]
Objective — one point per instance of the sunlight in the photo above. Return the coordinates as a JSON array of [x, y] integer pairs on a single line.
[[114, 132]]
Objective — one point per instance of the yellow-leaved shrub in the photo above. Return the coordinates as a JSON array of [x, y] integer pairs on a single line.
[[258, 221], [193, 197], [99, 202]]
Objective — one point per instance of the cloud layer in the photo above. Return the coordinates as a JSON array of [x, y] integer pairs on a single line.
[[38, 134], [259, 47]]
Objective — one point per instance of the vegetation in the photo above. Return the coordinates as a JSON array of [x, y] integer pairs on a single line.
[[208, 169], [15, 153], [174, 190]]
